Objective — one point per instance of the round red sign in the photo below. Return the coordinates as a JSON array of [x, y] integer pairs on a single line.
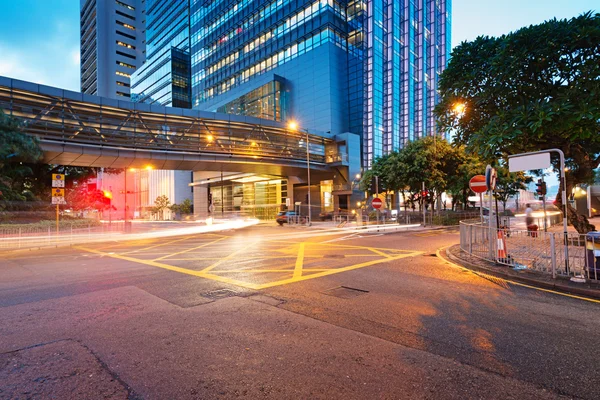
[[376, 203], [477, 184]]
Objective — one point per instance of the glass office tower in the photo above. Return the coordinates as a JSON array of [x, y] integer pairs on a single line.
[[369, 67], [165, 76]]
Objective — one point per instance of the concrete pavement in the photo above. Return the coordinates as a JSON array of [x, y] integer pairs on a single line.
[[411, 327]]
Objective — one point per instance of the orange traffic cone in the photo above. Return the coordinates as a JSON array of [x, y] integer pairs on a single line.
[[501, 245]]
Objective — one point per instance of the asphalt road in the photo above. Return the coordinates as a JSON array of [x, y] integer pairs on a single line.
[[284, 313]]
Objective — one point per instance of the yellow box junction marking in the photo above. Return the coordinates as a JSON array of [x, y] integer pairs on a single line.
[[301, 251]]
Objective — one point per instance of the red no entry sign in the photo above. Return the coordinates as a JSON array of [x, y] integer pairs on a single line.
[[477, 184], [376, 203]]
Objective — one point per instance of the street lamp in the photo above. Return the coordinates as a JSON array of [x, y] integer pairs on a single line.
[[459, 108], [294, 126]]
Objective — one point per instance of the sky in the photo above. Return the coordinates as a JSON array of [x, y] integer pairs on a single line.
[[39, 39]]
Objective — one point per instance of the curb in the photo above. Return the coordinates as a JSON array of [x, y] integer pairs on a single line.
[[557, 286]]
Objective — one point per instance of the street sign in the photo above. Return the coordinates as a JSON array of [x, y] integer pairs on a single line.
[[58, 192], [377, 203], [58, 200], [58, 180], [477, 184], [529, 162], [490, 178]]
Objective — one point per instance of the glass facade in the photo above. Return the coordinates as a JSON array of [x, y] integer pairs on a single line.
[[165, 76], [369, 67], [266, 102]]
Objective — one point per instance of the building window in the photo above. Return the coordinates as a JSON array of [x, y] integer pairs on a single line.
[[126, 35], [119, 83], [125, 15], [122, 64], [123, 24], [125, 5], [125, 45], [123, 94], [125, 55], [122, 74]]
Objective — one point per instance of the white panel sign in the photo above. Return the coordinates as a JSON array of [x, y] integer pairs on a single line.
[[529, 162], [58, 200], [58, 184]]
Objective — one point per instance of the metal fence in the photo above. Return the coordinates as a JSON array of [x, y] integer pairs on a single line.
[[27, 237], [534, 250]]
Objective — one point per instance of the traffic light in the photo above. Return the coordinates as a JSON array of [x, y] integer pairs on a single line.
[[540, 188], [424, 193], [209, 198], [107, 197]]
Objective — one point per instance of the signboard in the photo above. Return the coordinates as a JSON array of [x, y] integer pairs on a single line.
[[490, 178], [58, 180], [529, 162], [288, 202], [377, 203], [477, 184], [58, 196]]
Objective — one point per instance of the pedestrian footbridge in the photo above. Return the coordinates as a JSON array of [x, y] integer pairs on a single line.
[[84, 130]]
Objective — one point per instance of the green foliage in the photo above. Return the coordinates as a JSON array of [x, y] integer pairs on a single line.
[[533, 89], [16, 148], [184, 208], [536, 88], [161, 204], [508, 184]]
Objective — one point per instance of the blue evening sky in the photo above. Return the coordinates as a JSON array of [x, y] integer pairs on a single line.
[[39, 39]]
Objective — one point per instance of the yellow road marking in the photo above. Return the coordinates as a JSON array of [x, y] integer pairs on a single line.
[[299, 261], [230, 256], [194, 248], [481, 274], [297, 270], [335, 271], [160, 244], [378, 252]]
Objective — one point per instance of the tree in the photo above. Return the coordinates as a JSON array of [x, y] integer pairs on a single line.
[[458, 182], [16, 148], [536, 88], [160, 205], [430, 160], [508, 184]]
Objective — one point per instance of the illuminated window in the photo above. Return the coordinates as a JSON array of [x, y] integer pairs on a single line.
[[125, 45], [125, 5], [122, 74], [122, 64]]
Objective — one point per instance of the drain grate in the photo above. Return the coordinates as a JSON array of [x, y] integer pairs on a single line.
[[220, 294], [345, 292]]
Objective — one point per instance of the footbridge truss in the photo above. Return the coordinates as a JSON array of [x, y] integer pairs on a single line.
[[84, 130]]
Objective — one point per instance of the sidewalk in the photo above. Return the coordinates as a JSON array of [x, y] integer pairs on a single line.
[[528, 277]]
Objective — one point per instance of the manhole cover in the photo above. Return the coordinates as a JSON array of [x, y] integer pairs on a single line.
[[345, 292], [334, 256], [221, 293]]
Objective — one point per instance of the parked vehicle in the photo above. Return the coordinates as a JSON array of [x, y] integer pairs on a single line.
[[283, 217], [329, 215]]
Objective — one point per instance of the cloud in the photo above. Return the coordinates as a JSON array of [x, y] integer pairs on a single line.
[[53, 60]]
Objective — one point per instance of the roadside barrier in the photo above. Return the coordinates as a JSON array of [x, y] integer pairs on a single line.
[[538, 251]]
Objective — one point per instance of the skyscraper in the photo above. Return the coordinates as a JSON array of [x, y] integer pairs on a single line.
[[112, 45], [368, 67], [165, 76]]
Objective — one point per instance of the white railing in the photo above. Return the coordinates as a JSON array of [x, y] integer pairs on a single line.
[[534, 250]]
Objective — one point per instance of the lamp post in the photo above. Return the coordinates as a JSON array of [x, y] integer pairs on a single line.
[[294, 126]]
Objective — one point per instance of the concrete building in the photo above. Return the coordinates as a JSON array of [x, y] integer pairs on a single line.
[[112, 45]]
